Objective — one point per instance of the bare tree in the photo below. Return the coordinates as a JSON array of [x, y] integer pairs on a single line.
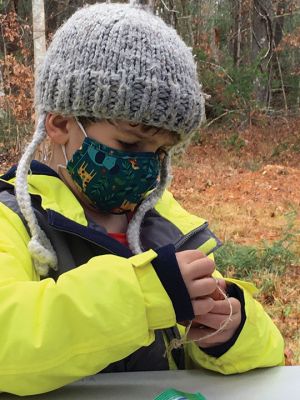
[[258, 29], [39, 38]]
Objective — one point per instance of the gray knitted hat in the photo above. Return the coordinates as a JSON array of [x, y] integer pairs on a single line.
[[118, 61], [113, 61]]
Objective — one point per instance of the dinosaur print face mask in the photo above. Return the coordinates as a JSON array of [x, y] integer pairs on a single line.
[[113, 181]]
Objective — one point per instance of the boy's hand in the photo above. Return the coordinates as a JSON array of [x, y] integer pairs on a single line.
[[209, 306], [204, 325], [196, 270]]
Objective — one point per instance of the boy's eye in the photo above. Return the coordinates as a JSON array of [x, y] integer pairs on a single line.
[[127, 145]]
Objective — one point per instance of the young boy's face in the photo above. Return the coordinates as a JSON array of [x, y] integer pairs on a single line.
[[67, 137]]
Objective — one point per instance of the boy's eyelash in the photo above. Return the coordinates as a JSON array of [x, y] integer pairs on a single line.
[[163, 149], [127, 144]]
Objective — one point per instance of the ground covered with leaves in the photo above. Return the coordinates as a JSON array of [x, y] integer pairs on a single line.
[[246, 183]]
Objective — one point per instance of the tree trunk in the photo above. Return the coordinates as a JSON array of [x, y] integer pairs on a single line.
[[239, 33], [1, 84], [281, 8], [241, 40], [186, 26], [253, 42], [39, 39], [214, 39], [168, 11]]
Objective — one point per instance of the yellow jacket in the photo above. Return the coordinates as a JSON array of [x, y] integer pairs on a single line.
[[55, 332]]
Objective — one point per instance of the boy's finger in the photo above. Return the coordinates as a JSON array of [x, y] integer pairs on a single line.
[[215, 321], [195, 334], [202, 287], [203, 306], [189, 256], [201, 268], [223, 306]]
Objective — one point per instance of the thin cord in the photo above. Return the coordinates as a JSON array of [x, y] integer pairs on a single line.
[[39, 246], [177, 343], [134, 227]]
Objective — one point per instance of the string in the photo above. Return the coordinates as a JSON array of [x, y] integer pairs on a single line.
[[177, 343]]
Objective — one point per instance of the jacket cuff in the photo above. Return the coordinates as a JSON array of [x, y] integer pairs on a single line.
[[168, 271], [217, 351]]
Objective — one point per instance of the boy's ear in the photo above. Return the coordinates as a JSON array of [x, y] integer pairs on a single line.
[[58, 127]]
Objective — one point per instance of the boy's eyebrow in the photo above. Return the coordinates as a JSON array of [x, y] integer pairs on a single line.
[[146, 128], [174, 138]]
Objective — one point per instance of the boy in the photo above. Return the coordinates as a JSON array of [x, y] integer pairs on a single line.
[[98, 261]]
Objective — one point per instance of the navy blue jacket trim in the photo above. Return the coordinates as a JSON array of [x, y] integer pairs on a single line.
[[36, 168], [168, 271], [217, 351], [61, 223]]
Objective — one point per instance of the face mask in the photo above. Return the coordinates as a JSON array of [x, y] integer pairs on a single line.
[[113, 181]]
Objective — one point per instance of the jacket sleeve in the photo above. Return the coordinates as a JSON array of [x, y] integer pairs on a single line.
[[258, 345], [53, 333]]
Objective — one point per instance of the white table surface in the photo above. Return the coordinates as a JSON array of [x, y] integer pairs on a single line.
[[279, 383]]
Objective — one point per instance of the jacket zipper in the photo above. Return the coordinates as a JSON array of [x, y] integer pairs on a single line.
[[189, 235]]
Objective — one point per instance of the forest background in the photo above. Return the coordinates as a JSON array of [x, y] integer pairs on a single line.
[[242, 171]]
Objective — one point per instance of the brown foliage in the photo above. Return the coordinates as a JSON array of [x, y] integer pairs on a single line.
[[16, 68], [291, 40]]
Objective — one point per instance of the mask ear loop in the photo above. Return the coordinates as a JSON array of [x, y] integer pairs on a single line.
[[63, 147], [81, 127]]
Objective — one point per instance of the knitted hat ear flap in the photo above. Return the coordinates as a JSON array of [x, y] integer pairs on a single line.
[[39, 246], [134, 227]]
